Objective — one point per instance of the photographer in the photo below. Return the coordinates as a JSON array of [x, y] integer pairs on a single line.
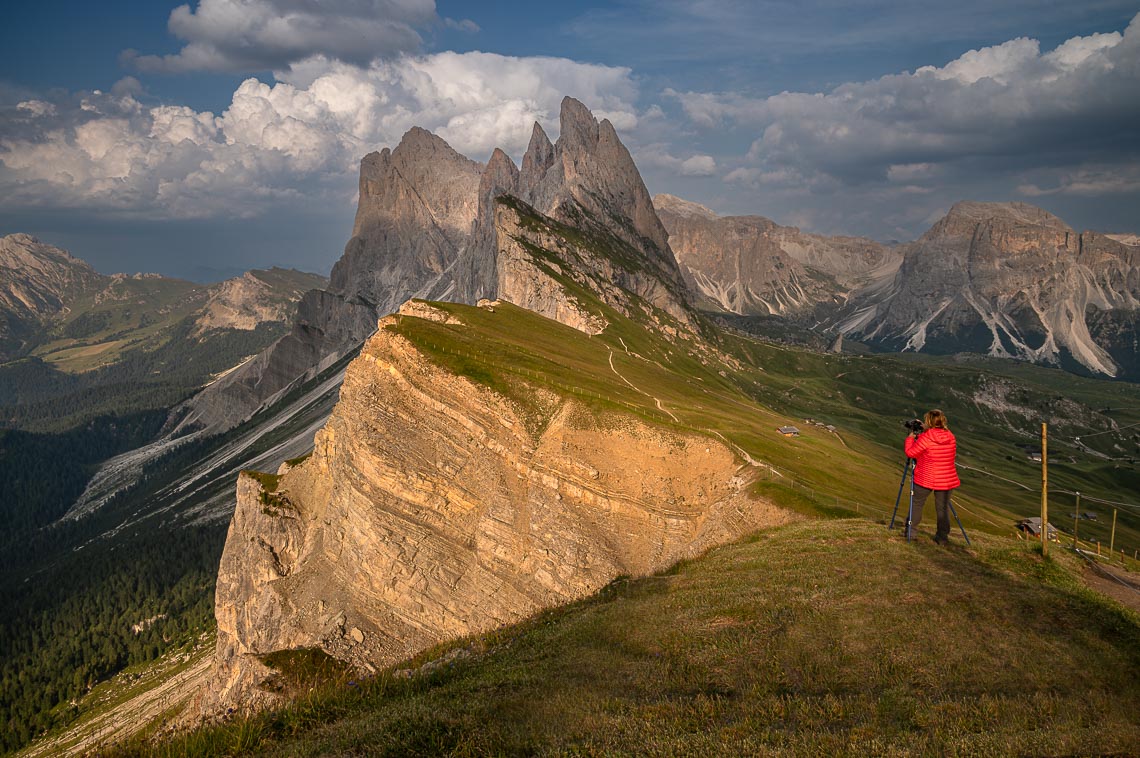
[[933, 451]]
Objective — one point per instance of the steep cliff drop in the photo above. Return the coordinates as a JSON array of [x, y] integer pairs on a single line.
[[435, 507]]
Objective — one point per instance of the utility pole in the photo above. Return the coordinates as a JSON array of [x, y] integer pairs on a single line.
[[1044, 489], [1076, 522], [1112, 539]]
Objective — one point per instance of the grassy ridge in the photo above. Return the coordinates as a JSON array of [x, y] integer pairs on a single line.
[[743, 398], [822, 637]]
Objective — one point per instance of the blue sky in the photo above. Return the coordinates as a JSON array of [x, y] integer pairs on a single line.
[[210, 138]]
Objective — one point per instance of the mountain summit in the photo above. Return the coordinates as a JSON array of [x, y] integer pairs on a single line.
[[428, 226], [1008, 280]]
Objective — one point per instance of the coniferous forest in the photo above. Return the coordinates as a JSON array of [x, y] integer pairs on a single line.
[[82, 599]]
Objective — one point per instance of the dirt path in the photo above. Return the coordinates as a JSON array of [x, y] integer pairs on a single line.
[[1118, 584], [635, 388]]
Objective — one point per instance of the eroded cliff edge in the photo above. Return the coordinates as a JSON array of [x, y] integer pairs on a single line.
[[434, 507]]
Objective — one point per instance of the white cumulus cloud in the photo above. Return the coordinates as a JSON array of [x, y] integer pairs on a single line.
[[996, 109], [657, 155], [299, 137]]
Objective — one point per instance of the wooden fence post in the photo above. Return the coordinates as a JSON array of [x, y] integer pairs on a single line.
[[1076, 521], [1044, 489]]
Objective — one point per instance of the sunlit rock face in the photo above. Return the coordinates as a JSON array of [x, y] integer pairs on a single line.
[[434, 508]]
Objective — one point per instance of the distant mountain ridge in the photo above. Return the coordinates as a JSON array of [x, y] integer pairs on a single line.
[[55, 305], [1008, 280], [751, 265], [1003, 279]]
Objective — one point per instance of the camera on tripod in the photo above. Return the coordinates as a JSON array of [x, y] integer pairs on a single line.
[[915, 425]]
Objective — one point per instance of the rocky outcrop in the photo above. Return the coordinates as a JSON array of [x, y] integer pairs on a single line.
[[1009, 280], [750, 265], [433, 507], [426, 228], [254, 298], [37, 283]]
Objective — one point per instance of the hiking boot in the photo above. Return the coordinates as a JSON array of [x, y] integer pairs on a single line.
[[941, 539]]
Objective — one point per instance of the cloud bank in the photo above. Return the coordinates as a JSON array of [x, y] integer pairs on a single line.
[[1006, 108], [882, 157], [286, 141]]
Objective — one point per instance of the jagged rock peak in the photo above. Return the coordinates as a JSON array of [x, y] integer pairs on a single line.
[[577, 125], [681, 207], [500, 166], [538, 158], [592, 169], [418, 137], [500, 177]]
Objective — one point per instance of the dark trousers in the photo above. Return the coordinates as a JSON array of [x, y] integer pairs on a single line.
[[941, 507]]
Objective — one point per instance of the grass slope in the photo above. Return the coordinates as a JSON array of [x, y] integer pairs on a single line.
[[824, 637], [759, 387]]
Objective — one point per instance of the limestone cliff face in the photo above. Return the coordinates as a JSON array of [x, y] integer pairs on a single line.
[[433, 508], [414, 218], [542, 264], [751, 265], [1010, 280], [426, 228], [37, 282]]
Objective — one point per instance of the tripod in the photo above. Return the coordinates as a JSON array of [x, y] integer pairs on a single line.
[[908, 470]]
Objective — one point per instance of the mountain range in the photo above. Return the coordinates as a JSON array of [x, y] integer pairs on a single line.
[[464, 480], [513, 389], [1000, 279], [58, 308]]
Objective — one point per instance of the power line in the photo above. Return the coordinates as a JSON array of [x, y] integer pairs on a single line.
[[1106, 431], [995, 476], [1101, 500]]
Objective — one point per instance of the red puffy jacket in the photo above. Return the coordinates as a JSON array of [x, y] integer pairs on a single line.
[[934, 451]]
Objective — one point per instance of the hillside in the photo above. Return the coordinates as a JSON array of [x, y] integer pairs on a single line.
[[56, 307], [820, 637]]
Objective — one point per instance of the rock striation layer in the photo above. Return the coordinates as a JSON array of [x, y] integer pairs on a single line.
[[434, 508], [1009, 280]]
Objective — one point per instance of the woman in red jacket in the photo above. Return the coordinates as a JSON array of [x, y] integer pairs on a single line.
[[934, 471]]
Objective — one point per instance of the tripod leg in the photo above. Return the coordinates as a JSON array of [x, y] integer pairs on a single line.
[[910, 508], [951, 504], [898, 497]]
